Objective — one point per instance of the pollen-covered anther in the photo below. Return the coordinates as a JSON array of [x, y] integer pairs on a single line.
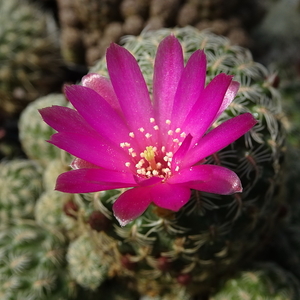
[[131, 152], [141, 129], [168, 122], [141, 171], [148, 135], [183, 134], [140, 163], [155, 173], [177, 169], [127, 164], [123, 145], [152, 120], [156, 127], [170, 132], [131, 134], [176, 140], [166, 171], [177, 130], [169, 154], [168, 157]]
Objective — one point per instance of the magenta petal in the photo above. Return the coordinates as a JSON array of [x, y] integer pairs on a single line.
[[147, 181], [190, 87], [220, 137], [229, 96], [170, 196], [79, 163], [198, 173], [223, 182], [130, 87], [181, 152], [92, 180], [103, 87], [98, 113], [65, 119], [168, 68], [131, 204], [91, 149], [205, 109]]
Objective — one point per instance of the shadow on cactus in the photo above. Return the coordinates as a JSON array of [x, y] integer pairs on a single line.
[[186, 152]]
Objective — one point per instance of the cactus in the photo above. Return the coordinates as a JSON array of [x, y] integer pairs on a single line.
[[89, 26], [87, 270], [211, 234], [52, 170], [32, 264], [33, 132], [30, 61], [20, 186], [265, 281], [65, 213], [49, 211]]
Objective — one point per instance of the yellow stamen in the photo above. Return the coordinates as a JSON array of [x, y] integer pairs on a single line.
[[149, 155]]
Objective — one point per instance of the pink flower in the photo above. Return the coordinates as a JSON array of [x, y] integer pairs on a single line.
[[121, 138]]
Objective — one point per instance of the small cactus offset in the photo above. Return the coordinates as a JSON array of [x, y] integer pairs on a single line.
[[87, 270], [20, 187], [163, 253]]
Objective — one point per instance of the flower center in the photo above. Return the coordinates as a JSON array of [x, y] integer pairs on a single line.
[[154, 160]]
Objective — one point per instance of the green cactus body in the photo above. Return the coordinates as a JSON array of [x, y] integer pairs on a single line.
[[87, 270], [29, 55], [32, 264], [211, 234], [65, 213], [49, 211], [20, 186], [52, 170], [34, 132], [265, 281]]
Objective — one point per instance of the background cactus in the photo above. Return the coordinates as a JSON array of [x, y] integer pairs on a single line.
[[32, 264], [89, 26], [87, 270], [31, 65], [33, 132], [49, 211], [20, 186], [265, 281]]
